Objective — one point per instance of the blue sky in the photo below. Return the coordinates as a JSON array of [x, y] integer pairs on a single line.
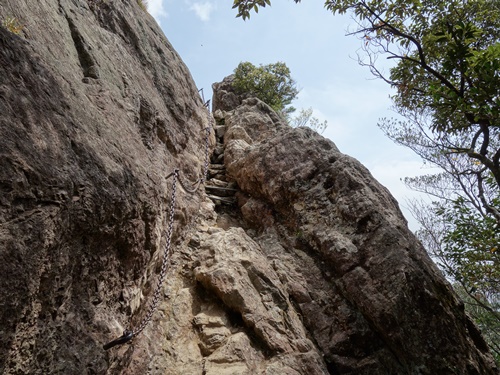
[[322, 59]]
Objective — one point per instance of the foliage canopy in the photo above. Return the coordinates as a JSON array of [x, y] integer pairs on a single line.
[[270, 83]]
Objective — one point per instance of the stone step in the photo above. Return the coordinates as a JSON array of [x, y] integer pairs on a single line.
[[220, 191], [217, 175], [221, 183], [217, 167], [221, 188], [222, 200]]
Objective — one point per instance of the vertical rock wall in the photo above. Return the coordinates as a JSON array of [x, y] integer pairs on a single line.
[[96, 109]]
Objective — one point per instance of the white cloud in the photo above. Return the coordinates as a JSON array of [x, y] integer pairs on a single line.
[[157, 9], [203, 10]]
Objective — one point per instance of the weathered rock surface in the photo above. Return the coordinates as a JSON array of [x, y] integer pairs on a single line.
[[390, 306], [96, 109], [313, 271], [370, 297]]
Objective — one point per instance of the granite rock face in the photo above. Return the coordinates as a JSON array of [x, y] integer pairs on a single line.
[[370, 297], [96, 109], [295, 261]]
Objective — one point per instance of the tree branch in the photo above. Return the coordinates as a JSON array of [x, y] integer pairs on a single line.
[[489, 209], [385, 25]]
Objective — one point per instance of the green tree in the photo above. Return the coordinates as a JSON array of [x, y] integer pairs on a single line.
[[270, 83], [245, 6], [469, 261]]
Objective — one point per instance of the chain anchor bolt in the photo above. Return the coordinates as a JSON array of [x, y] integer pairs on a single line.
[[126, 337]]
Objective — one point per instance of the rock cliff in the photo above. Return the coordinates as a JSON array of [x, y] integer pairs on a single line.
[[294, 261], [96, 109]]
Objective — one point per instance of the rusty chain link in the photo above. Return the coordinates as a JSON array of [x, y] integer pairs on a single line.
[[129, 333]]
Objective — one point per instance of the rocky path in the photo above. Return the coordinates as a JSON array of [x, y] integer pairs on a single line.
[[220, 189]]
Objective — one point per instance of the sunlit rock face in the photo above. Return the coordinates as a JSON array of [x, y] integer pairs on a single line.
[[369, 296], [293, 261]]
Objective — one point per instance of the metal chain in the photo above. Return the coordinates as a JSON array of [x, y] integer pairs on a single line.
[[166, 255], [129, 334]]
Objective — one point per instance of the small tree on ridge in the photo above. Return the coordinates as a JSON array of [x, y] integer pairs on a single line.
[[270, 83]]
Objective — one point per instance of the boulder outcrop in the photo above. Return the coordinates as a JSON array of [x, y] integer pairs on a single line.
[[370, 297], [295, 260]]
